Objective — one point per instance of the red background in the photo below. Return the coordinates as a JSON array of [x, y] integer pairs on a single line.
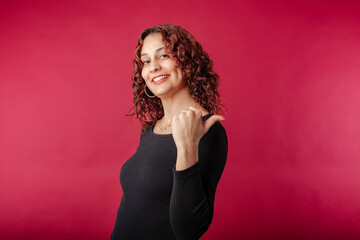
[[290, 81]]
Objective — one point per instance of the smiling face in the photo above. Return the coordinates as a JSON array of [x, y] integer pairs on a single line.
[[159, 71]]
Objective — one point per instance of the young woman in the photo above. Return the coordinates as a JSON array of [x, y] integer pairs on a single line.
[[169, 183]]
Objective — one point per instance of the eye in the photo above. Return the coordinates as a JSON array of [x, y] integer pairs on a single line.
[[163, 56], [145, 62]]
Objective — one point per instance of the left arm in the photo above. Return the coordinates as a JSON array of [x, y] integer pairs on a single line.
[[195, 180]]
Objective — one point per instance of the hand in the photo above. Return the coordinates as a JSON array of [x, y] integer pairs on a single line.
[[188, 127]]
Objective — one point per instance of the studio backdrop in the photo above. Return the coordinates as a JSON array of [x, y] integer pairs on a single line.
[[290, 74]]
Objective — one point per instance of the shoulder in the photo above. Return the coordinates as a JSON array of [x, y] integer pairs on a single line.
[[216, 131], [215, 139], [145, 133], [216, 128]]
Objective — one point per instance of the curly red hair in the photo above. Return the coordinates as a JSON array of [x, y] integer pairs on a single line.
[[196, 67]]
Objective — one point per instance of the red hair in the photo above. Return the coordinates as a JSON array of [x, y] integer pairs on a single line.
[[196, 67]]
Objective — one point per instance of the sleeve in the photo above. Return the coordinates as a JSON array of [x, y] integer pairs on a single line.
[[193, 194]]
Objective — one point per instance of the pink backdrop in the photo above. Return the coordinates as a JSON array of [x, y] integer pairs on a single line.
[[290, 80]]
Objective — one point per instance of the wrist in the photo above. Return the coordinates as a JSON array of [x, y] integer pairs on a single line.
[[186, 157], [187, 146], [187, 150]]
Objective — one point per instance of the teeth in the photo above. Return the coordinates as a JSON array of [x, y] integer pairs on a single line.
[[159, 78]]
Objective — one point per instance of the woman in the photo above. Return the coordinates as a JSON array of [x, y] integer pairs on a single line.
[[169, 183]]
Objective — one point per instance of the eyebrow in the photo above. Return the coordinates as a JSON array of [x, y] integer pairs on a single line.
[[155, 51]]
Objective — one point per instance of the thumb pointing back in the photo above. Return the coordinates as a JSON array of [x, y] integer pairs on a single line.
[[213, 119]]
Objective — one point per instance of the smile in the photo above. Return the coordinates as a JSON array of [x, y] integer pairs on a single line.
[[159, 79]]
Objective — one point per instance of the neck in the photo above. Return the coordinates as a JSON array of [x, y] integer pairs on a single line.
[[176, 103]]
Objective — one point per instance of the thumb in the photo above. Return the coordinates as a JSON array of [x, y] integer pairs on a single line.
[[213, 119]]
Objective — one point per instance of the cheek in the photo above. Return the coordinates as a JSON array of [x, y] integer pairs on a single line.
[[179, 73], [176, 69], [143, 74]]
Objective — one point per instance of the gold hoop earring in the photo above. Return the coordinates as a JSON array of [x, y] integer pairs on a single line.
[[148, 94]]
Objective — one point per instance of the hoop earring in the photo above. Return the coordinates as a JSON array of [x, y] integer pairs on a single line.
[[148, 94]]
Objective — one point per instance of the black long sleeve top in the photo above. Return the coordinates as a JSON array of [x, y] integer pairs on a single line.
[[159, 202]]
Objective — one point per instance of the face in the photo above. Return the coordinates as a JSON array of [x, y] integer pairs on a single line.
[[160, 71]]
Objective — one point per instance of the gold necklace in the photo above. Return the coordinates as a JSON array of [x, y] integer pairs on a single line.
[[163, 128]]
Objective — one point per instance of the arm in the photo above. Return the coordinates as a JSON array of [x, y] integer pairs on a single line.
[[192, 200]]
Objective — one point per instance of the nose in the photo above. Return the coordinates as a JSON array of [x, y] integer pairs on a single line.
[[155, 66]]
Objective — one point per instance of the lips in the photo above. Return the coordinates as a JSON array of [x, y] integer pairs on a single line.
[[159, 79]]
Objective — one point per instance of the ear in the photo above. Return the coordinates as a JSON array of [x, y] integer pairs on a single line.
[[213, 119]]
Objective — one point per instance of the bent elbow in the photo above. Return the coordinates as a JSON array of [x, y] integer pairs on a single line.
[[190, 227]]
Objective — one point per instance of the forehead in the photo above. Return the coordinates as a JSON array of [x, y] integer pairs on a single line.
[[151, 43]]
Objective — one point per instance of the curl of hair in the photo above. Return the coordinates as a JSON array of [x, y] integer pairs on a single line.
[[196, 67]]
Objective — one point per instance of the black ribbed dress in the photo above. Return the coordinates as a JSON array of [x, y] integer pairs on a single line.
[[161, 203]]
